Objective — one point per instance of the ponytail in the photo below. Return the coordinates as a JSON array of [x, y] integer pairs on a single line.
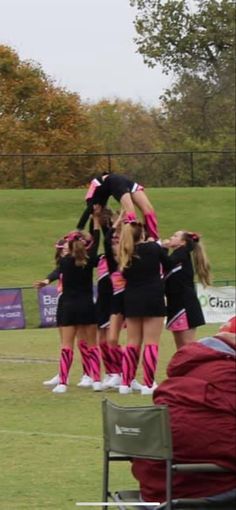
[[79, 252], [79, 243], [131, 233], [200, 259], [201, 264]]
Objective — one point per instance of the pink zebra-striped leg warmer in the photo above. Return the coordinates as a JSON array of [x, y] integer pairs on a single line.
[[151, 223], [95, 363], [130, 361], [129, 217], [116, 357], [66, 360], [149, 362], [85, 357], [106, 357]]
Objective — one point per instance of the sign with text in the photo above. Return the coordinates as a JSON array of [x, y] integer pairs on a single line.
[[218, 303], [11, 309], [48, 298]]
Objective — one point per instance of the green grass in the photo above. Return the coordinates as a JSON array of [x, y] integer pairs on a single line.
[[51, 445], [31, 221]]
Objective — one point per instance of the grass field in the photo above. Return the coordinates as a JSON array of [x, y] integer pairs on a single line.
[[31, 221], [51, 445]]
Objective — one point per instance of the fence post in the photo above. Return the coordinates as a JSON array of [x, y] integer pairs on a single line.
[[192, 169], [23, 174], [109, 163]]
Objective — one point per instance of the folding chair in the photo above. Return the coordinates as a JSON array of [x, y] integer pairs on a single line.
[[144, 432]]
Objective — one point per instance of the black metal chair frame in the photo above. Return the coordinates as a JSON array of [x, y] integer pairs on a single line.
[[118, 449]]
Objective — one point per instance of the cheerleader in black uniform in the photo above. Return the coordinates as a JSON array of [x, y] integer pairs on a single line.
[[61, 251], [125, 191], [78, 314], [184, 313], [86, 380], [144, 304], [104, 297], [116, 307]]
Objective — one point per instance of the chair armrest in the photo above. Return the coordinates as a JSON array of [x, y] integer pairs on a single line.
[[201, 468]]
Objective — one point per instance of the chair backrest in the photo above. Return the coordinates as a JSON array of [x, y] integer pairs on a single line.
[[137, 431]]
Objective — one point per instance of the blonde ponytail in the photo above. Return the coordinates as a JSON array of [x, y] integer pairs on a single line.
[[126, 246], [201, 264], [131, 233]]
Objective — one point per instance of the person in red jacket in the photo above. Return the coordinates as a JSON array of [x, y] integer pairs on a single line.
[[200, 394]]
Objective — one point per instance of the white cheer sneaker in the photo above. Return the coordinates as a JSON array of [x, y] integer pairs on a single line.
[[125, 390], [85, 382], [135, 385], [113, 381], [97, 386], [52, 382], [146, 390], [60, 388]]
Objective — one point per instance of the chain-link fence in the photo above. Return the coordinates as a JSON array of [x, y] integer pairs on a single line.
[[155, 169]]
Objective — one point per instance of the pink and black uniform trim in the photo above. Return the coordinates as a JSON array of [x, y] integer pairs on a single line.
[[77, 304], [183, 307], [117, 279], [144, 291], [104, 293], [102, 188]]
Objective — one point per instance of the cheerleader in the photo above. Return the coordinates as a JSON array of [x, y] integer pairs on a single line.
[[184, 313], [125, 191], [116, 308], [144, 305], [104, 298], [78, 314], [61, 251]]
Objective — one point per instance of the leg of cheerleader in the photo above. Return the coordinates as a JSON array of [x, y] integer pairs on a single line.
[[66, 357], [131, 354], [152, 328]]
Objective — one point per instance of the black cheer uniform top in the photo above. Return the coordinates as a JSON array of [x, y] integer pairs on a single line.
[[144, 292], [180, 288], [113, 185], [77, 281]]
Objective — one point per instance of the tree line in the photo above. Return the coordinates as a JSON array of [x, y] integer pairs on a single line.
[[195, 114]]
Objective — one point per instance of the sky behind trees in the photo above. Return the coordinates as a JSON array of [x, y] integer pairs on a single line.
[[85, 45]]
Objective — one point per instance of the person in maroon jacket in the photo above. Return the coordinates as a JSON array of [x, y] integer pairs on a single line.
[[200, 394]]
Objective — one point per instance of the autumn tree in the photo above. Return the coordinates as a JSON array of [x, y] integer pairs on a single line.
[[180, 38], [38, 117], [198, 46], [124, 126]]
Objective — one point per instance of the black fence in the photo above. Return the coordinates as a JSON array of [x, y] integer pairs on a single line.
[[153, 169], [31, 307]]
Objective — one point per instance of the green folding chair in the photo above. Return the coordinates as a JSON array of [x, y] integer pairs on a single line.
[[144, 432]]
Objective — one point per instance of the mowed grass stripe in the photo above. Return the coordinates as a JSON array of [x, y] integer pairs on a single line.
[[50, 434]]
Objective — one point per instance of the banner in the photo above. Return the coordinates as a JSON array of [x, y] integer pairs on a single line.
[[218, 303], [11, 309], [48, 298]]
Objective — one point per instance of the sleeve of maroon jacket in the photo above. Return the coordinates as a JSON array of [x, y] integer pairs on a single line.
[[200, 393]]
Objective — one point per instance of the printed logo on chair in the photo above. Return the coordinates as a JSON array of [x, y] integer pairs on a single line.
[[127, 431]]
